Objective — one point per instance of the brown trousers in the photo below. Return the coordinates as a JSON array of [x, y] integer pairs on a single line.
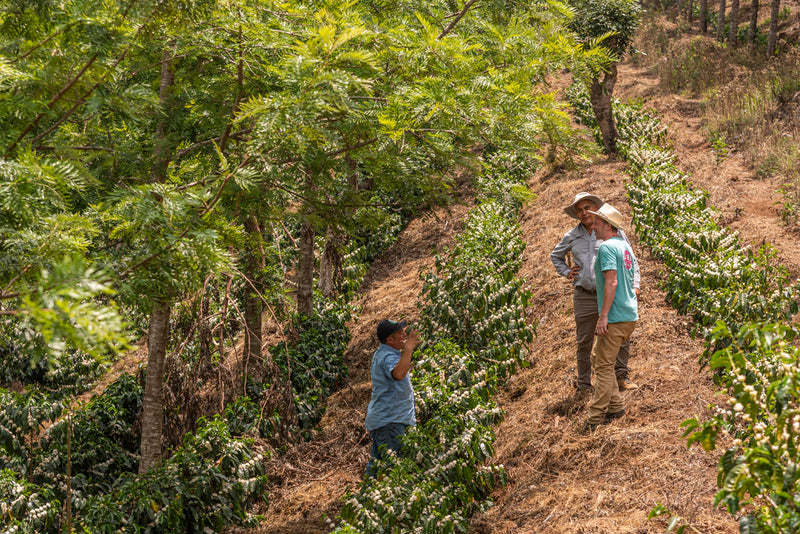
[[607, 398], [586, 315]]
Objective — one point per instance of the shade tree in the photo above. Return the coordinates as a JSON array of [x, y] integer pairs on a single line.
[[157, 142], [610, 25]]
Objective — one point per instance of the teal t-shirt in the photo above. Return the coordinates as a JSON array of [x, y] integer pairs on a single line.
[[616, 255]]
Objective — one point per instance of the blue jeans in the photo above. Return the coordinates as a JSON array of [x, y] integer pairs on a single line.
[[384, 438]]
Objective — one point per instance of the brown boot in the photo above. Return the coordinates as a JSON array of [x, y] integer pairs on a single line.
[[625, 384]]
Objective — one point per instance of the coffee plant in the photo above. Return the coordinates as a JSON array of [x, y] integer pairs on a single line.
[[67, 373], [367, 244], [504, 178], [742, 302], [473, 311], [473, 296], [103, 444], [761, 372], [315, 362], [245, 415], [26, 508], [205, 486], [21, 415]]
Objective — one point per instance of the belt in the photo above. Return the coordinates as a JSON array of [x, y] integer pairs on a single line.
[[589, 291]]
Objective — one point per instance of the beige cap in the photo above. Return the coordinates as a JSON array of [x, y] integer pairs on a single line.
[[570, 210], [609, 214]]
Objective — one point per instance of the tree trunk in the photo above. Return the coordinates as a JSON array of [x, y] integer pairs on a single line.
[[601, 96], [690, 11], [204, 329], [252, 299], [751, 32], [721, 21], [773, 28], [305, 271], [733, 37], [330, 266], [704, 16], [158, 335], [153, 404], [161, 152]]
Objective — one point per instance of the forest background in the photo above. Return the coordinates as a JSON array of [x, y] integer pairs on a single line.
[[178, 175]]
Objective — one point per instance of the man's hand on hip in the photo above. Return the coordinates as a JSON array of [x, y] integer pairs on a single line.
[[574, 272]]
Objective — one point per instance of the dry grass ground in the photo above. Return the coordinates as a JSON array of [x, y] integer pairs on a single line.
[[608, 481]]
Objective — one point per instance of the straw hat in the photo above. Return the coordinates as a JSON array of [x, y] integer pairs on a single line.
[[609, 214], [570, 210]]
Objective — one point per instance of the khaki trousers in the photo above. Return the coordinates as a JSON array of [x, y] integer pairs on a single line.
[[586, 315], [607, 398]]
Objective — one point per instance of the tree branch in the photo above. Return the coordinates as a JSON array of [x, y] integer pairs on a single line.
[[86, 148], [239, 90], [208, 208], [82, 99], [455, 20], [287, 161], [52, 103], [234, 135], [38, 46]]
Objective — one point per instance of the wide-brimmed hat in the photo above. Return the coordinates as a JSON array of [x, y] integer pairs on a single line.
[[570, 210], [609, 214], [387, 327]]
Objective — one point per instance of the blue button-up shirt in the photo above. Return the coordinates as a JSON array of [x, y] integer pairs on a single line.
[[584, 246], [392, 400]]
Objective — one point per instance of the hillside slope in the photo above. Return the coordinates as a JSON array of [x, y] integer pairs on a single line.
[[608, 481], [559, 480]]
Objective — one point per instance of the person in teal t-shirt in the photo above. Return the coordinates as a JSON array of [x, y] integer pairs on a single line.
[[618, 307]]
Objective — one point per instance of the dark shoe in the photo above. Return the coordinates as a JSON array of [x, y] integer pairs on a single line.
[[616, 415], [583, 393], [625, 384], [589, 428]]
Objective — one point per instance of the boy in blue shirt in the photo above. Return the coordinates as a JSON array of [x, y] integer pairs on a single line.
[[391, 408]]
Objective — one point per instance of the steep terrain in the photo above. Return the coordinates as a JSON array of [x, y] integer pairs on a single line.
[[559, 480], [607, 481]]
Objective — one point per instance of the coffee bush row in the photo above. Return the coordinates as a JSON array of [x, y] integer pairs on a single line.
[[473, 318], [711, 275], [742, 301], [314, 362], [91, 459]]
